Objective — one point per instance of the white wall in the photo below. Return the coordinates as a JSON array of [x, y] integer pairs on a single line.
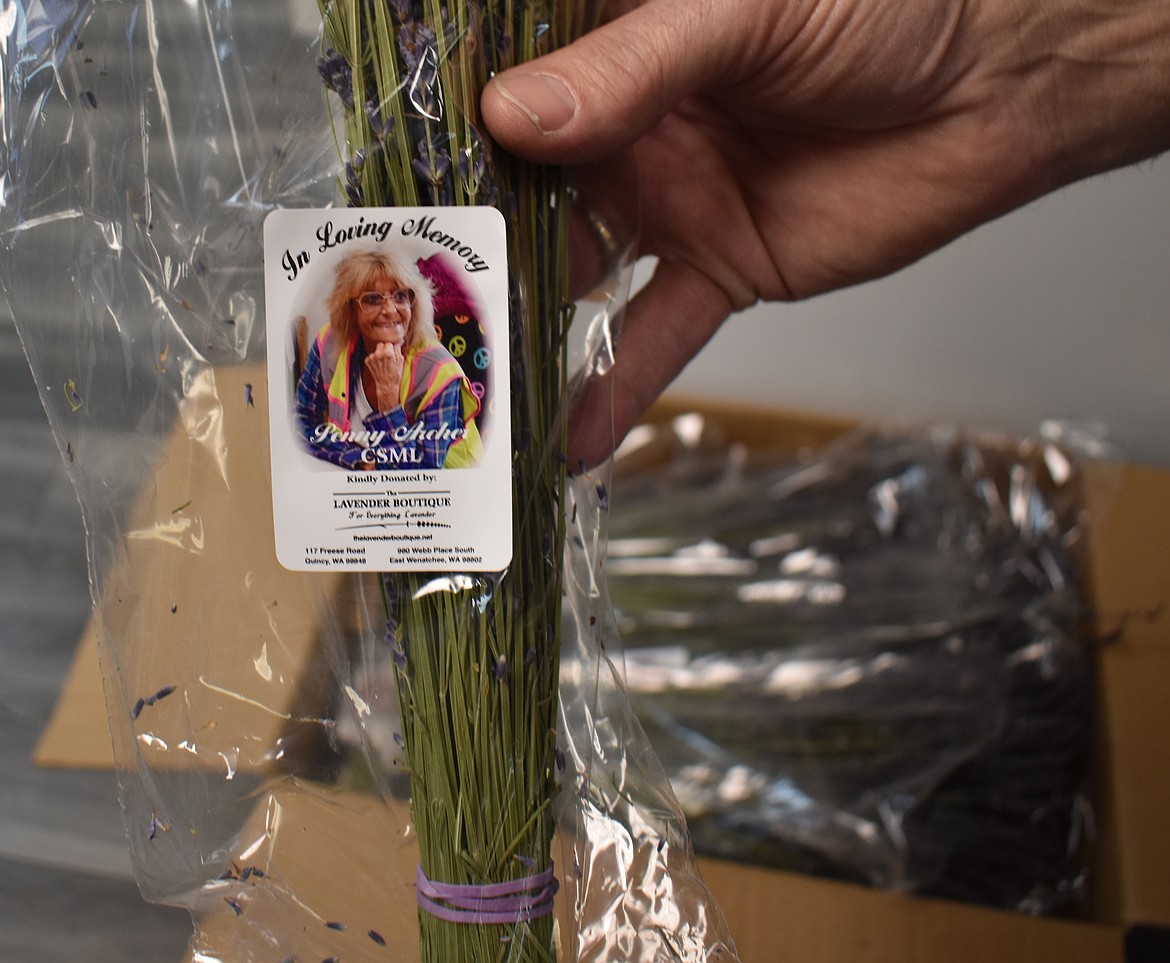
[[1060, 310]]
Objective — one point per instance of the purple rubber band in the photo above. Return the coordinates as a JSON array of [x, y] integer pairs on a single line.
[[515, 901]]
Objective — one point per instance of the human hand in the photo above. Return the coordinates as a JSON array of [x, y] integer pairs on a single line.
[[790, 147], [384, 365]]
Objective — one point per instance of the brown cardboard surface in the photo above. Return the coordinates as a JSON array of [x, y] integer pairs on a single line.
[[782, 917], [1131, 580], [723, 424], [77, 735], [332, 853]]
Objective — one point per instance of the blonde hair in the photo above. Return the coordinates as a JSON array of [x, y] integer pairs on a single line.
[[359, 272]]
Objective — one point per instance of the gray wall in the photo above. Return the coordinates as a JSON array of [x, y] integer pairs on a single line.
[[1060, 310]]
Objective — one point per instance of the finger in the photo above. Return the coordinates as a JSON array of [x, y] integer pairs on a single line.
[[603, 226], [600, 93], [667, 324]]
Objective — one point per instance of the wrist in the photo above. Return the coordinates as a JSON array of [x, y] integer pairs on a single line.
[[387, 395], [1105, 85]]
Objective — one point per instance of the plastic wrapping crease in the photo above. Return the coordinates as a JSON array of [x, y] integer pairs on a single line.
[[143, 145]]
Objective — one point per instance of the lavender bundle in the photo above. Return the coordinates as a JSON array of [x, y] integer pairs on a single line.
[[477, 655]]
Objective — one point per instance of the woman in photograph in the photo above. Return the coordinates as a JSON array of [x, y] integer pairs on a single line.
[[377, 389]]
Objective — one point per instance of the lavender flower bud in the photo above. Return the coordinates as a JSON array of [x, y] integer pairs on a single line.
[[381, 126], [337, 76]]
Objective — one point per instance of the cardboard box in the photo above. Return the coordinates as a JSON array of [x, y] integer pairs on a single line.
[[1128, 587], [778, 916]]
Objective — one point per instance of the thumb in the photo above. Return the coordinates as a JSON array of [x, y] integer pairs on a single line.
[[599, 94]]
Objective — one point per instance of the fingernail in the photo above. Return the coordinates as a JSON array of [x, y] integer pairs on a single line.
[[545, 99]]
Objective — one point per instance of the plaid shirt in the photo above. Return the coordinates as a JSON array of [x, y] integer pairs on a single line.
[[427, 451]]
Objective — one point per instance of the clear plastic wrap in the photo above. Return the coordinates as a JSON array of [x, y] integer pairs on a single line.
[[870, 663], [145, 144]]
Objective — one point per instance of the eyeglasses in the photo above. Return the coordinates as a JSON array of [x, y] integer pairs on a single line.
[[376, 300]]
